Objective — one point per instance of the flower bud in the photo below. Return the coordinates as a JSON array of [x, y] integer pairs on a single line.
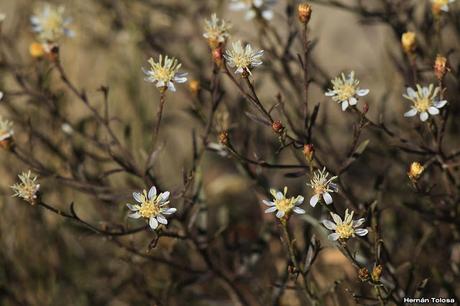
[[365, 108], [415, 171], [408, 41], [217, 55], [223, 138], [363, 274], [377, 273], [304, 12], [308, 151], [36, 50], [194, 86], [277, 126], [440, 67]]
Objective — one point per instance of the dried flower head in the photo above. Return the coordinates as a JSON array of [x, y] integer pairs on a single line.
[[151, 206], [415, 171], [424, 101], [27, 189], [408, 41], [363, 274], [440, 67], [277, 127], [50, 24], [346, 91], [304, 12], [243, 59], [283, 205], [377, 273], [254, 8], [439, 6], [216, 31], [346, 228], [322, 186], [164, 73]]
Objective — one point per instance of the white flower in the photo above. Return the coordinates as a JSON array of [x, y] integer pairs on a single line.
[[243, 59], [322, 186], [165, 73], [283, 205], [424, 101], [6, 129], [254, 8], [151, 206], [442, 4], [27, 189], [1, 95], [345, 229], [50, 23], [216, 30], [346, 91]]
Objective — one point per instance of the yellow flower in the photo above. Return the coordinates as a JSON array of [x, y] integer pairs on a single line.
[[322, 186], [408, 41], [164, 73], [283, 205], [243, 59], [216, 31], [424, 101], [346, 90], [304, 12], [36, 50], [415, 171], [346, 228]]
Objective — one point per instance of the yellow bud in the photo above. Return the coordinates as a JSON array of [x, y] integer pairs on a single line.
[[408, 42], [377, 273], [440, 67], [415, 171], [194, 86], [36, 50]]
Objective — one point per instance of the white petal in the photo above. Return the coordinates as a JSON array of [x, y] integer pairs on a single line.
[[411, 92], [329, 225], [433, 110], [299, 200], [161, 219], [424, 116], [353, 101], [164, 196], [361, 232], [258, 3], [298, 210], [250, 14], [314, 200], [153, 223], [267, 15], [279, 195], [270, 209], [279, 214], [362, 92], [327, 198], [344, 105], [135, 215], [330, 93], [171, 87], [152, 192], [440, 104], [169, 211], [336, 218], [133, 207], [358, 222], [268, 203], [411, 113], [137, 196], [333, 236]]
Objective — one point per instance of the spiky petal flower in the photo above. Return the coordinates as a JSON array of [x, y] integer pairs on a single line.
[[243, 59], [322, 186], [27, 189], [346, 228], [424, 101], [50, 24], [346, 90], [282, 204], [254, 8], [216, 31], [6, 129], [164, 73], [151, 207]]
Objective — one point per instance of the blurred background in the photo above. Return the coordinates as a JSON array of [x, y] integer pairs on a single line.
[[48, 260]]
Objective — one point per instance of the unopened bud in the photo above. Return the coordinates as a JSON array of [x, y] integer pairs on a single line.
[[377, 273], [440, 67], [194, 86], [277, 126], [304, 12], [217, 55], [223, 138], [415, 171], [36, 50], [408, 41], [365, 108], [308, 151]]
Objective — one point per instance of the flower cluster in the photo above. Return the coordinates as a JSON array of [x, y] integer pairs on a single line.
[[164, 73], [243, 58], [151, 206], [282, 204], [254, 8], [27, 189], [50, 24], [424, 101], [346, 90], [346, 228]]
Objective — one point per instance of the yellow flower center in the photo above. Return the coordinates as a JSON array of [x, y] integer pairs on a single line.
[[52, 23], [345, 230], [149, 208], [284, 205], [319, 189], [164, 74], [422, 104], [345, 92], [241, 60]]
